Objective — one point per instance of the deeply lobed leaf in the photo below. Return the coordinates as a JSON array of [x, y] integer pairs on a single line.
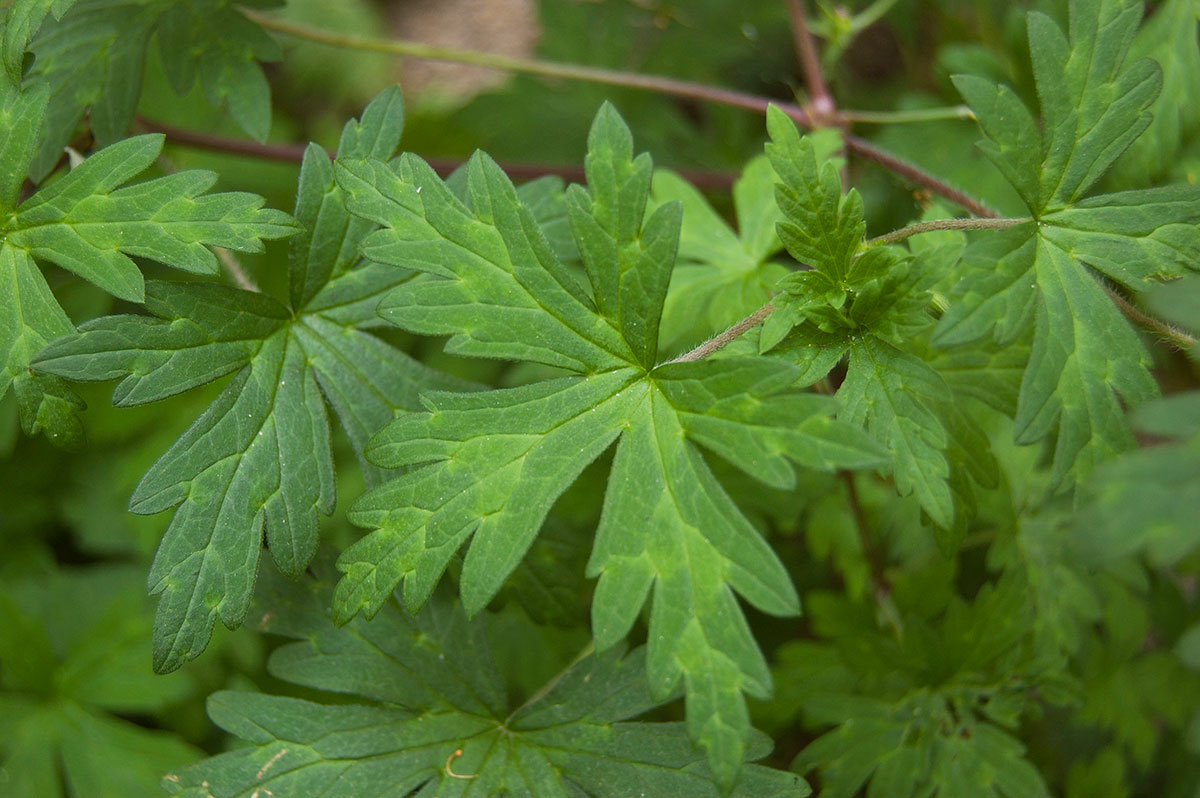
[[86, 223], [488, 466], [427, 714], [258, 461], [1085, 359]]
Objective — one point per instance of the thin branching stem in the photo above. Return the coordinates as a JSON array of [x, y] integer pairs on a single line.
[[909, 116], [917, 175], [614, 77], [946, 224], [880, 587], [721, 340], [1167, 333], [821, 105], [234, 267], [528, 66]]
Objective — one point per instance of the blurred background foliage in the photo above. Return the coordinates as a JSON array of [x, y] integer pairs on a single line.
[[78, 703]]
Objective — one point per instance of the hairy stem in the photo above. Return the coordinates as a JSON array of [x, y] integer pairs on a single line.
[[678, 88], [880, 588], [1167, 333], [946, 224], [235, 269], [722, 340], [918, 176]]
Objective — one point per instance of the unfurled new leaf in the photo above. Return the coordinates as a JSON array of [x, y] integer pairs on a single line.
[[488, 466], [869, 302], [258, 460], [428, 715], [1085, 354]]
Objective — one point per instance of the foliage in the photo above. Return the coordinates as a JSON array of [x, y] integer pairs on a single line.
[[950, 466]]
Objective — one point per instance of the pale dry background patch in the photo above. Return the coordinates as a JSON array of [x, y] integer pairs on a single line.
[[505, 27]]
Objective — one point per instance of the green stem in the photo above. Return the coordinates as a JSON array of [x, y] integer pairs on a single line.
[[613, 77], [529, 66], [914, 115], [946, 224], [722, 340]]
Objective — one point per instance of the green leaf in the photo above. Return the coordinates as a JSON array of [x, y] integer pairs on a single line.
[[1169, 37], [85, 223], [1144, 501], [215, 41], [523, 305], [80, 223], [424, 712], [34, 318], [925, 712], [823, 228], [21, 23], [870, 301], [488, 466], [73, 644], [721, 276], [1084, 355], [890, 393], [258, 460], [92, 60]]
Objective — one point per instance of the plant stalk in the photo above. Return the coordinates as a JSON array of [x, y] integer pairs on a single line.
[[821, 105], [528, 66], [721, 340], [946, 224]]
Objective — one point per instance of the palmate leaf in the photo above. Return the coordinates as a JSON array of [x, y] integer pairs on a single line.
[[259, 457], [86, 223], [867, 302], [1085, 354], [73, 646], [927, 713], [488, 466], [93, 56], [427, 715]]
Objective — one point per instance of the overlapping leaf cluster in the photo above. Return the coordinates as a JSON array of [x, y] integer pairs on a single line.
[[927, 708], [259, 459], [73, 643], [86, 223], [426, 713], [488, 466], [1086, 357], [868, 302], [91, 54]]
